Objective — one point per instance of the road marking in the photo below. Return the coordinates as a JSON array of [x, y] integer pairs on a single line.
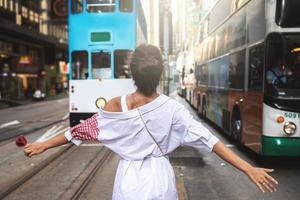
[[230, 145], [10, 123], [66, 116]]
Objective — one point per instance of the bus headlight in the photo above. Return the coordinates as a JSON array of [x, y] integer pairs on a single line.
[[100, 102], [290, 128]]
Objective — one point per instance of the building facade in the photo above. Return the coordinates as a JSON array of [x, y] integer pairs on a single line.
[[33, 47]]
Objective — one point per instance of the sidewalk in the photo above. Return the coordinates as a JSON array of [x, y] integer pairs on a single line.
[[7, 103]]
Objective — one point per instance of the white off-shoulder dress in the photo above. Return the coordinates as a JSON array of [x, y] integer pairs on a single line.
[[143, 138]]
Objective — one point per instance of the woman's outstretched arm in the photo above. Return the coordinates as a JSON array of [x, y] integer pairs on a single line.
[[198, 136], [259, 176], [86, 131], [39, 147]]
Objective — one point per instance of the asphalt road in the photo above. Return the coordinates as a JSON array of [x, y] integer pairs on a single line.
[[206, 176], [25, 119]]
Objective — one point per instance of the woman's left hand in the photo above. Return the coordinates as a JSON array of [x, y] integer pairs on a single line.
[[262, 179], [34, 149]]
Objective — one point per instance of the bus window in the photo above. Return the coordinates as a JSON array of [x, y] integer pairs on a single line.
[[101, 65], [282, 73], [99, 6], [79, 64], [203, 74], [287, 13], [121, 61], [256, 61], [236, 4], [236, 70], [126, 6], [76, 6]]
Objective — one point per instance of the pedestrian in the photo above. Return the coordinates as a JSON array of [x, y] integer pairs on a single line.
[[143, 128]]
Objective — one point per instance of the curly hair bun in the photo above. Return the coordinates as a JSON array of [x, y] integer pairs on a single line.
[[146, 67]]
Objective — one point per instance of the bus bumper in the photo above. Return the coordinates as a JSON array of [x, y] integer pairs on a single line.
[[279, 146]]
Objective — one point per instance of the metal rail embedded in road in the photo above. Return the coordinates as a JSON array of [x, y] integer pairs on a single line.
[[12, 186]]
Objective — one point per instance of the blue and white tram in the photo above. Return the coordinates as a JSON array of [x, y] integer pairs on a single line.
[[102, 33]]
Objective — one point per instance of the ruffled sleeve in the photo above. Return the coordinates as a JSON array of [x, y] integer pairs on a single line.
[[85, 131], [192, 133]]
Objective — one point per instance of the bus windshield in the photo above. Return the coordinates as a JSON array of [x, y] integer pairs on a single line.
[[283, 67]]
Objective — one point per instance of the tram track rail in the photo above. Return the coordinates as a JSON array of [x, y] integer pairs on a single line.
[[14, 185], [50, 180], [77, 188]]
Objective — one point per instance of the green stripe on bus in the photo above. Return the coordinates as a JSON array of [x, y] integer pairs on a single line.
[[279, 146]]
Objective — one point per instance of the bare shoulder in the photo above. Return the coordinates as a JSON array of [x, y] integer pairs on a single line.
[[113, 105]]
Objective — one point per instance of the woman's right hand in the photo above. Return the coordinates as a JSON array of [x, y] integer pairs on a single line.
[[34, 149]]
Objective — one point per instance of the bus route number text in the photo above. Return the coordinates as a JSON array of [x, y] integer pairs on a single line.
[[292, 115]]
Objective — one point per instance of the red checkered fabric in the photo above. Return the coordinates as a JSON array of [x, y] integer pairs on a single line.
[[86, 131]]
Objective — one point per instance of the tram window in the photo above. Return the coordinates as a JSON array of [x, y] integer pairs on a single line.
[[101, 62], [256, 61], [121, 61], [100, 6], [79, 64], [126, 5], [76, 6]]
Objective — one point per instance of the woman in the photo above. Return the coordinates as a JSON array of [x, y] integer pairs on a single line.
[[143, 128]]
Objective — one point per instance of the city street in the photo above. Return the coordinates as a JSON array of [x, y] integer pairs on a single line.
[[233, 64], [25, 119], [200, 175]]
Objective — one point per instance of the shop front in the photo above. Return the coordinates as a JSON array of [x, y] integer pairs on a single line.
[[20, 68]]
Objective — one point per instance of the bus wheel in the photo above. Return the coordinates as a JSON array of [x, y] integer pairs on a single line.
[[236, 129]]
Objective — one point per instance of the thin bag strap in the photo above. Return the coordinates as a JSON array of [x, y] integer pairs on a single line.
[[124, 104], [150, 133]]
